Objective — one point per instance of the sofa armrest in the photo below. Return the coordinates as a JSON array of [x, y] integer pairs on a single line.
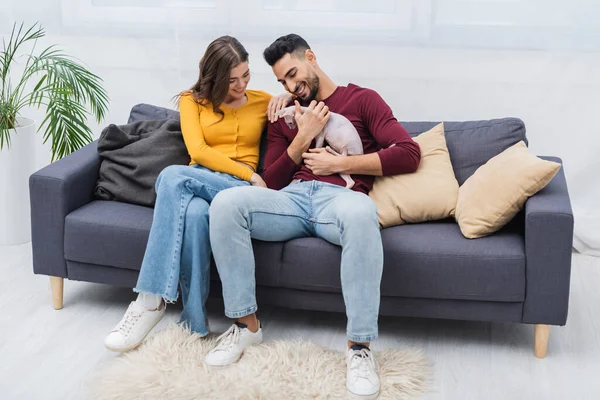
[[54, 192], [548, 247]]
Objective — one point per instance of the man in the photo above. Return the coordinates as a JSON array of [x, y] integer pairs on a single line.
[[310, 199]]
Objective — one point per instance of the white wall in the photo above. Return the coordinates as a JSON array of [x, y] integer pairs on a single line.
[[430, 59]]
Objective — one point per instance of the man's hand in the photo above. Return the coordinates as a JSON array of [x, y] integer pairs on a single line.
[[277, 103], [309, 125], [257, 180], [312, 121], [321, 162]]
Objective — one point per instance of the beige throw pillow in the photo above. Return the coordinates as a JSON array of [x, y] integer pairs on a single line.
[[497, 190], [428, 194]]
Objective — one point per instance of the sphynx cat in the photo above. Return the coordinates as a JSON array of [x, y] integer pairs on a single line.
[[338, 132]]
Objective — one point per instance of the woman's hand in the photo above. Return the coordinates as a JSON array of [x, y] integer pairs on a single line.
[[257, 180], [277, 103]]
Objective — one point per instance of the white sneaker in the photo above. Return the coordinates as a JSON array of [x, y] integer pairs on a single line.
[[231, 345], [361, 375], [133, 327]]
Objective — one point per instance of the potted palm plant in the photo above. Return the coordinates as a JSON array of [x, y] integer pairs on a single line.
[[67, 92]]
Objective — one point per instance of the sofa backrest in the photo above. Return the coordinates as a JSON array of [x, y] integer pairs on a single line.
[[148, 112], [470, 144]]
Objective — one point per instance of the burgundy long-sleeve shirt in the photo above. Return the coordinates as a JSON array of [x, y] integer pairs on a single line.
[[378, 129]]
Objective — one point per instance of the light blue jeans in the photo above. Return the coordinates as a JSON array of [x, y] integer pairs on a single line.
[[339, 215], [178, 250]]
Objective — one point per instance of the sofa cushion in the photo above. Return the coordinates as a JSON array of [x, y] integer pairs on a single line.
[[427, 195], [435, 260], [471, 144], [115, 234], [498, 190], [430, 260], [108, 233]]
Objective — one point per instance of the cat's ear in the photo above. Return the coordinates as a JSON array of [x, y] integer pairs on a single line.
[[290, 121]]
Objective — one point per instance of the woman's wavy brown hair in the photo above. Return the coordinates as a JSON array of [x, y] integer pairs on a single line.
[[221, 56]]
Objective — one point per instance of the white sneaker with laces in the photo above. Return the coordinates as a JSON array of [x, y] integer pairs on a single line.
[[133, 327], [231, 345], [361, 374]]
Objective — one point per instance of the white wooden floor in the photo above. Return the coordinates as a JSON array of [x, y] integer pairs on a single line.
[[47, 354]]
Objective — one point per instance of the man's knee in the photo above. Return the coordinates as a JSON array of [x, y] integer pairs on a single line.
[[358, 210], [235, 201], [226, 203]]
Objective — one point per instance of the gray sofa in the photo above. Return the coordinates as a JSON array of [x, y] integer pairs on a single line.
[[520, 274]]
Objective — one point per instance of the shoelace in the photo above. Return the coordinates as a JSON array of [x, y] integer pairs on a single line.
[[128, 321], [362, 363], [229, 338]]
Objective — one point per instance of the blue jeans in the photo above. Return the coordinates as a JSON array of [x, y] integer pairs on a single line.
[[178, 250], [339, 215]]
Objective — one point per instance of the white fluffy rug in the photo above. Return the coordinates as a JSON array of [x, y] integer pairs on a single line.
[[169, 365]]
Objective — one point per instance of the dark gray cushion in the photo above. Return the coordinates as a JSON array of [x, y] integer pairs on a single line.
[[133, 156], [115, 234], [471, 144], [430, 260]]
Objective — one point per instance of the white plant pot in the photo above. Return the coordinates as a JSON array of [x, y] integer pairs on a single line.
[[16, 165]]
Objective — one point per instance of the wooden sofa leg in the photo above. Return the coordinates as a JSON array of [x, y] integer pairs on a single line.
[[56, 287], [541, 332]]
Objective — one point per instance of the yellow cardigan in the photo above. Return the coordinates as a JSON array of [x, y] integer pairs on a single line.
[[229, 143]]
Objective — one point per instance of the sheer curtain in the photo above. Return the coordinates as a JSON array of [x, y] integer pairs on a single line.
[[430, 59]]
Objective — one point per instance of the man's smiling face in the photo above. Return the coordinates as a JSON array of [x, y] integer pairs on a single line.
[[297, 76]]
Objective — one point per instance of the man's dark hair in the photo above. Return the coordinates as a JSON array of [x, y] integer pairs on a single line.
[[288, 44]]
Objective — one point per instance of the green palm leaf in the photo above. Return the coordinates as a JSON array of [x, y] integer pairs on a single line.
[[69, 92]]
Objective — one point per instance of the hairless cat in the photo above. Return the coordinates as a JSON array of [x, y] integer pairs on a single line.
[[338, 132]]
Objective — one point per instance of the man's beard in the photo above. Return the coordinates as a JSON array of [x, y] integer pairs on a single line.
[[314, 86]]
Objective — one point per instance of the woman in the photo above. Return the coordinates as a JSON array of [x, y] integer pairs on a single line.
[[221, 123]]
